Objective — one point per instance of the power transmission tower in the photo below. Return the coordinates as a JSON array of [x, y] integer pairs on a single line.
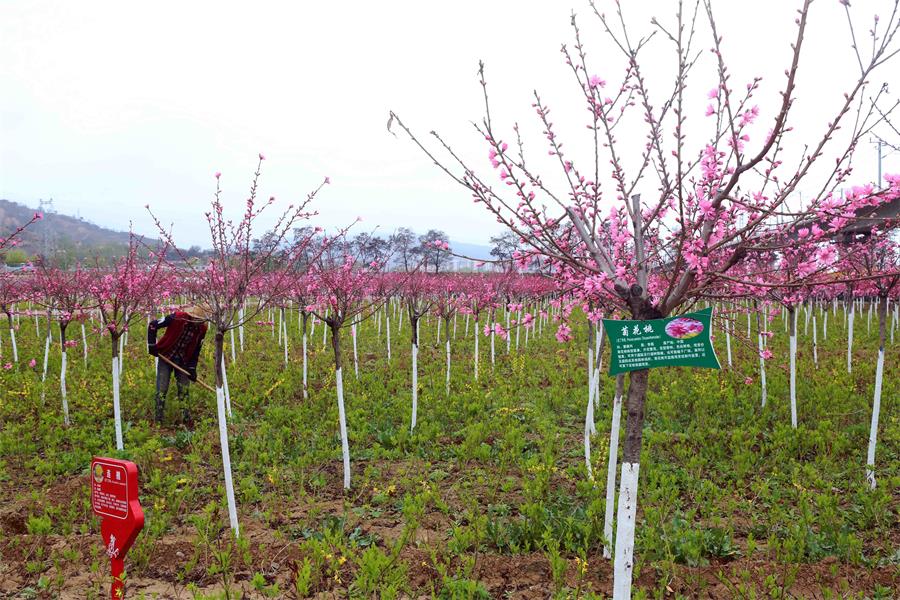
[[45, 207]]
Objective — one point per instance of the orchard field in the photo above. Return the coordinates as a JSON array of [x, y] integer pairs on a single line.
[[488, 498]]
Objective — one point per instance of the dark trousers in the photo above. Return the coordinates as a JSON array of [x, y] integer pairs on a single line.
[[182, 382]]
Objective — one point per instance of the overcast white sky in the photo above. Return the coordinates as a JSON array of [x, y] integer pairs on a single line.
[[108, 106]]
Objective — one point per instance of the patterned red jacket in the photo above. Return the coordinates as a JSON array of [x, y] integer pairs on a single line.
[[182, 340]]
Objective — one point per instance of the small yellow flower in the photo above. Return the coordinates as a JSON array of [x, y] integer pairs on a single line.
[[181, 481], [582, 565], [342, 560]]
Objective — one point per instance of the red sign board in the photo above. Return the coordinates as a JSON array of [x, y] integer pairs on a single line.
[[114, 498]]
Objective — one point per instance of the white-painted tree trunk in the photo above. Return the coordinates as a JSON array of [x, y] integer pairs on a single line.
[[355, 355], [762, 370], [808, 313], [467, 325], [492, 349], [439, 329], [241, 327], [342, 417], [624, 562], [84, 343], [448, 365], [815, 344], [869, 319], [226, 460], [415, 384], [284, 332], [728, 341], [15, 349], [508, 336], [825, 326], [589, 427], [850, 338], [62, 387], [894, 325], [388, 331], [873, 429], [598, 365], [793, 350], [612, 465], [121, 356], [476, 347], [518, 328], [305, 386], [590, 374], [46, 357], [225, 387], [117, 409], [233, 357]]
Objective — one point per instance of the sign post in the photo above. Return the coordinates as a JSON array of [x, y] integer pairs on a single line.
[[114, 498], [683, 341]]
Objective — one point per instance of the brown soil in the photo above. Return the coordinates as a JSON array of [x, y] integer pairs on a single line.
[[177, 559]]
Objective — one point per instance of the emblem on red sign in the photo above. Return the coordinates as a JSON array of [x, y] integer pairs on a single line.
[[114, 498]]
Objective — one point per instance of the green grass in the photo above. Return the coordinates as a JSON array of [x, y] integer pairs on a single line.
[[492, 480]]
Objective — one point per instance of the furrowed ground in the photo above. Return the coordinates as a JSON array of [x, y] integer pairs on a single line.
[[489, 498]]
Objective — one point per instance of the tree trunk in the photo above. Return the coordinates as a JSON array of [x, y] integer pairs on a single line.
[[850, 319], [815, 343], [284, 334], [218, 359], [792, 325], [627, 513], [876, 401], [241, 327], [117, 409], [477, 335], [305, 386], [339, 385], [355, 355], [623, 566], [12, 338], [448, 366], [62, 371], [762, 361], [612, 465], [414, 326]]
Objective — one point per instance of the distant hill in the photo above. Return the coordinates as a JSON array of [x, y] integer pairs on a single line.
[[474, 251], [62, 234], [72, 238]]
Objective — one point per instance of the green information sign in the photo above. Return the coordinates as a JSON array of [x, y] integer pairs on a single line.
[[682, 341]]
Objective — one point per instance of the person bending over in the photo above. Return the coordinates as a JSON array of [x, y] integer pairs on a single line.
[[180, 345]]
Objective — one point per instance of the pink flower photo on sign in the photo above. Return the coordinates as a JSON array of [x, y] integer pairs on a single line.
[[684, 328]]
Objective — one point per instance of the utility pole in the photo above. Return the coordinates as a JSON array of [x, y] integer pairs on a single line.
[[878, 183]]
